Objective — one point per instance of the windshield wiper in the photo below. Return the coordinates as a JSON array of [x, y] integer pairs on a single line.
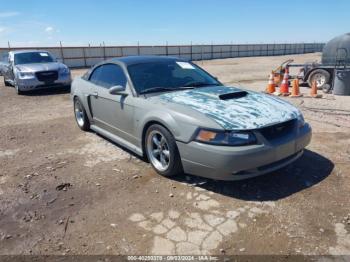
[[159, 89], [199, 84]]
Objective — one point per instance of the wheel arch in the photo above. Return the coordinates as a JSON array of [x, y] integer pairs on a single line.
[[146, 126]]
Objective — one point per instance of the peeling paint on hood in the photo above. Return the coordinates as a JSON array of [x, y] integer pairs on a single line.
[[255, 110]]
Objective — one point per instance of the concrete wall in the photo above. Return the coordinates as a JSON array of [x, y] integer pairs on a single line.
[[88, 56]]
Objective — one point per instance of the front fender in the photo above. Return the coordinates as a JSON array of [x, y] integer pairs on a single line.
[[181, 130]]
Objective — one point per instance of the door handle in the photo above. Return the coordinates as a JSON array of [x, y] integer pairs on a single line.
[[95, 94]]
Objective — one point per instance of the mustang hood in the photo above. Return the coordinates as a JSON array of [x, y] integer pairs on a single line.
[[40, 67], [233, 108]]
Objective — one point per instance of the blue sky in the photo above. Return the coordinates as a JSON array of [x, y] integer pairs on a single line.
[[125, 22]]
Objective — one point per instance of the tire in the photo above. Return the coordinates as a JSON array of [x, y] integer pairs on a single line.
[[321, 76], [163, 155], [80, 115], [18, 91], [6, 83]]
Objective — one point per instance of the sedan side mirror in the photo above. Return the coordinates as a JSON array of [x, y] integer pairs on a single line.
[[117, 90]]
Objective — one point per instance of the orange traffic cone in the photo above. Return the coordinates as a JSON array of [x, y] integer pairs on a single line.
[[284, 88], [313, 91], [271, 87], [295, 89]]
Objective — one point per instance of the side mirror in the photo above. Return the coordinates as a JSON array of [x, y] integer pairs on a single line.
[[117, 90]]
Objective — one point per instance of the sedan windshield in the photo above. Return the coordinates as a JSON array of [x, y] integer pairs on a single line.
[[32, 57], [167, 76]]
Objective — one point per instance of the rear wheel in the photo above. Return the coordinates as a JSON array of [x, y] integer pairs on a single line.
[[80, 115], [162, 151], [321, 77]]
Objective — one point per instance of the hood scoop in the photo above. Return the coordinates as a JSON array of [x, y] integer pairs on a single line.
[[234, 95]]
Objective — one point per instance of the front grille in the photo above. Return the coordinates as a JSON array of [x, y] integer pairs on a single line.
[[279, 130], [47, 76]]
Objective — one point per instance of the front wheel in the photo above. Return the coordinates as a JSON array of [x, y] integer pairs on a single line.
[[162, 151], [80, 115], [18, 90]]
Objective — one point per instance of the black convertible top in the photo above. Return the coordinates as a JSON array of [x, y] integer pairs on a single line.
[[132, 60]]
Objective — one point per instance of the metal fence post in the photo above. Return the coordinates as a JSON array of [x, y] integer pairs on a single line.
[[231, 52], [62, 53], [104, 50], [212, 51], [8, 44], [191, 51], [166, 48], [202, 52], [84, 54], [138, 48]]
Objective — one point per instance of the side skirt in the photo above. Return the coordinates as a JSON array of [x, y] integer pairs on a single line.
[[117, 140]]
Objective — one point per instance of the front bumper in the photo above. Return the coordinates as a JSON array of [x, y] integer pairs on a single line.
[[237, 163], [34, 84]]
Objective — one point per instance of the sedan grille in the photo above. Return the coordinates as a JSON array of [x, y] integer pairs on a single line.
[[47, 76], [279, 130]]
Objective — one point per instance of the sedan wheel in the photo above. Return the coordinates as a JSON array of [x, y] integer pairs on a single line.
[[18, 90], [80, 115], [162, 151]]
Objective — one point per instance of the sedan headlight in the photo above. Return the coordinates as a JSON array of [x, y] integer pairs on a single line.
[[225, 138], [301, 121], [64, 70], [26, 75]]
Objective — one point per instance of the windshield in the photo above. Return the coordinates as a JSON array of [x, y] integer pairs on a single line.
[[168, 75], [33, 57]]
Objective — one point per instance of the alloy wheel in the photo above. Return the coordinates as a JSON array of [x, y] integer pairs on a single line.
[[158, 150], [79, 113]]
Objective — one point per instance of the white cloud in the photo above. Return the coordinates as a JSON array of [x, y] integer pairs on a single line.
[[8, 14], [49, 29]]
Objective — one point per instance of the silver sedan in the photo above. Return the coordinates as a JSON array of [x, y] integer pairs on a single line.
[[29, 70], [182, 119]]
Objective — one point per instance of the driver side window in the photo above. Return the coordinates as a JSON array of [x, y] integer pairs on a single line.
[[108, 75]]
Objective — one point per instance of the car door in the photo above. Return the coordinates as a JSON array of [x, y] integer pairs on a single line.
[[112, 112]]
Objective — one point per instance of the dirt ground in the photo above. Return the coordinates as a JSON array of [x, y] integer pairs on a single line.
[[63, 191]]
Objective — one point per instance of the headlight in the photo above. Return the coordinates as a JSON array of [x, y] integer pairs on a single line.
[[25, 75], [64, 70], [225, 138], [301, 121]]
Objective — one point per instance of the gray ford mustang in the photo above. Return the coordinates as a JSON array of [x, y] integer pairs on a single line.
[[183, 120], [34, 69]]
